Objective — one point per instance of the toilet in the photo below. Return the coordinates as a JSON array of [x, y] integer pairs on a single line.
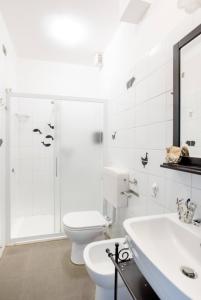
[[101, 269], [85, 227]]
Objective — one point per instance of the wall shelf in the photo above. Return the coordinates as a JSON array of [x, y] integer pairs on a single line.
[[187, 164]]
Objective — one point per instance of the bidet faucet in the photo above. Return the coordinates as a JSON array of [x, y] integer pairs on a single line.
[[186, 210]]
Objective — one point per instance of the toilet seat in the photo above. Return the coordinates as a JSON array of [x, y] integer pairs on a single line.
[[84, 220]]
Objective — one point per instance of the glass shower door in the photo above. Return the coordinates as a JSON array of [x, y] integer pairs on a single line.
[[80, 136], [32, 167]]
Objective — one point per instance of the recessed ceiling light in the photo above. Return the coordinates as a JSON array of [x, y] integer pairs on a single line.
[[66, 30]]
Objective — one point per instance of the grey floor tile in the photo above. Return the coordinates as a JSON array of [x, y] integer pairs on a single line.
[[43, 271]]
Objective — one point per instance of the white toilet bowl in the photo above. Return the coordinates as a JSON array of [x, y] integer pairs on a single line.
[[82, 228], [101, 270]]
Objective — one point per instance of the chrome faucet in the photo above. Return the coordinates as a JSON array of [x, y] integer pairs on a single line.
[[186, 210]]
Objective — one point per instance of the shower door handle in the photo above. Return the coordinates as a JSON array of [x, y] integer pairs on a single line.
[[56, 167]]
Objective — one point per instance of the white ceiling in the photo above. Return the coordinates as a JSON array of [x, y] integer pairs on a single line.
[[26, 21]]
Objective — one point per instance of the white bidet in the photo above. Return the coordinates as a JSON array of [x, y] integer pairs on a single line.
[[101, 269]]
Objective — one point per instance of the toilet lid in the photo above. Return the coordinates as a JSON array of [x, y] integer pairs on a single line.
[[84, 219]]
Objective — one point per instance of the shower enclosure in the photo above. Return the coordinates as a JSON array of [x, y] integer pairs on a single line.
[[55, 159]]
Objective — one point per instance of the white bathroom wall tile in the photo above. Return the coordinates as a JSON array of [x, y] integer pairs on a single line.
[[142, 182], [112, 106], [196, 18], [196, 198], [126, 119], [136, 207], [125, 101], [141, 137], [156, 136], [131, 92], [138, 154], [141, 91], [140, 69], [160, 195], [153, 208], [141, 112], [151, 86], [169, 106], [157, 56], [174, 190], [179, 177], [156, 83], [156, 109], [156, 158], [196, 181], [121, 157], [125, 137]]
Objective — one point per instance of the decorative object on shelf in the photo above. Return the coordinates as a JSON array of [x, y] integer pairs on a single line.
[[114, 135], [174, 154], [145, 159], [37, 130], [1, 142], [190, 6], [51, 126]]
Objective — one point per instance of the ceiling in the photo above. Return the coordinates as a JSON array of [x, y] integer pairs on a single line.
[[27, 23]]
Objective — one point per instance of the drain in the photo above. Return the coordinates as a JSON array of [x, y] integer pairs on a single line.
[[189, 272]]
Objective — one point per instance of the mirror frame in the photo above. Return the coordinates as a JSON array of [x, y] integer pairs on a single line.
[[177, 82]]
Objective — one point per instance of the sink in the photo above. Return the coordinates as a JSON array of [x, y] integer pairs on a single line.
[[168, 253]]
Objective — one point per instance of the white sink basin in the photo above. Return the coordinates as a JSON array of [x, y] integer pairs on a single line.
[[162, 245]]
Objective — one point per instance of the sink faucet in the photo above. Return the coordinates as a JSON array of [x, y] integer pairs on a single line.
[[186, 210]]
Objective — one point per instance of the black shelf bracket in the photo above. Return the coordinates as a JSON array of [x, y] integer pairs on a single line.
[[133, 279]]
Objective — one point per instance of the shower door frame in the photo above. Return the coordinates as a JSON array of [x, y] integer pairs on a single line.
[[9, 94]]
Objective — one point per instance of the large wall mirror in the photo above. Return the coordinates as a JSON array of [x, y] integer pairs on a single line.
[[187, 93]]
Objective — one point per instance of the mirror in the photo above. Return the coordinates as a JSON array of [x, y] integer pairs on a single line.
[[187, 93], [190, 96]]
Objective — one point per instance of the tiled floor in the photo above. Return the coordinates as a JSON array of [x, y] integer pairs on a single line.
[[43, 271]]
